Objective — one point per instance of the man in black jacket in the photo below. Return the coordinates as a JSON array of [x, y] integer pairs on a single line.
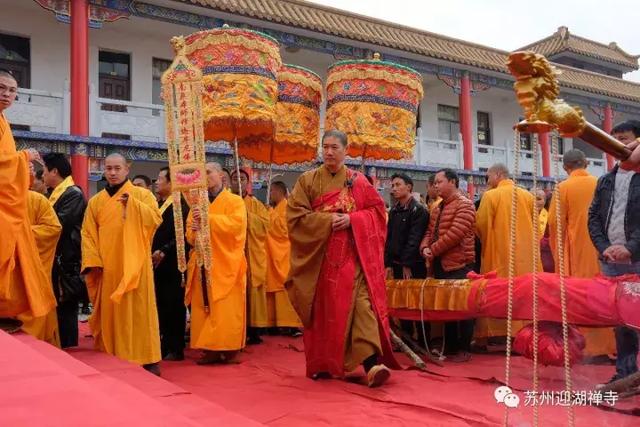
[[408, 221], [168, 279], [614, 226], [69, 204]]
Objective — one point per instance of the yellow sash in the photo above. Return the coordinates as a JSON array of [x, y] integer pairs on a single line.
[[133, 238], [60, 189], [166, 205], [7, 143]]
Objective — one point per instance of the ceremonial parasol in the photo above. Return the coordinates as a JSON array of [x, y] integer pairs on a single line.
[[240, 88], [375, 103], [298, 116], [182, 94]]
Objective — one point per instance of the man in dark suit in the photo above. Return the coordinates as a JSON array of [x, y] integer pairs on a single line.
[[69, 203], [167, 278]]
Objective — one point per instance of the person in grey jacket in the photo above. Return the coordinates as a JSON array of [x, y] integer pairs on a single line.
[[614, 227]]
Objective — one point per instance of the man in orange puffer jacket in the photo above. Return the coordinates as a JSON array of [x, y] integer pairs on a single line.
[[449, 248]]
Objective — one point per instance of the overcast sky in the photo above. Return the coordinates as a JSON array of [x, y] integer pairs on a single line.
[[509, 25]]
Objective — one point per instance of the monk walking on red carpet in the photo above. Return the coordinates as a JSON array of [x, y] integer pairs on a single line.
[[337, 228]]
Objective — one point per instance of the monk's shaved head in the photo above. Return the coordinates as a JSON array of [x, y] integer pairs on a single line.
[[116, 168], [215, 166], [500, 169], [8, 89], [116, 157], [496, 173], [574, 159], [214, 176]]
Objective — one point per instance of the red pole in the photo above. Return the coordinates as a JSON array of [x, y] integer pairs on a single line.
[[607, 126], [80, 89], [544, 147], [466, 125]]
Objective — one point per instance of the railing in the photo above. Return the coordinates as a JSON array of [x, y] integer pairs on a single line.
[[128, 120], [41, 111], [595, 166], [487, 155], [438, 152]]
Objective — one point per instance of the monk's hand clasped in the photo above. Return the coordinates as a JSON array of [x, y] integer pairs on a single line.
[[124, 199], [340, 221], [195, 223], [157, 257]]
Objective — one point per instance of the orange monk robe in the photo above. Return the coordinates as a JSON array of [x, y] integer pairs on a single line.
[[281, 312], [543, 219], [24, 283], [257, 225], [46, 230], [493, 222], [580, 256], [116, 246], [223, 327], [432, 204]]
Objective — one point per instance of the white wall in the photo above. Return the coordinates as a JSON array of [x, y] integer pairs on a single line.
[[145, 39], [49, 41]]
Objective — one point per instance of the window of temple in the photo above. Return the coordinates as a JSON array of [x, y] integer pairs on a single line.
[[484, 128], [15, 56], [159, 67], [114, 78], [448, 123]]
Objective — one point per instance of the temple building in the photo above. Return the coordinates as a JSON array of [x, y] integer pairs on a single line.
[[89, 76]]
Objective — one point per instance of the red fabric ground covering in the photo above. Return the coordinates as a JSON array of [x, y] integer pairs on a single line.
[[37, 391], [269, 386], [44, 386]]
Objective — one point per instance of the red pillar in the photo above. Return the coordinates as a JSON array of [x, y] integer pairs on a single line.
[[607, 126], [466, 125], [80, 89], [544, 148]]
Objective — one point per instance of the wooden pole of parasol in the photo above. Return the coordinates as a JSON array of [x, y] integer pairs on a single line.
[[364, 159], [236, 158], [270, 175]]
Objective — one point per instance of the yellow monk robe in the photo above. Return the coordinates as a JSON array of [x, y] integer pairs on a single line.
[[24, 283], [257, 225], [46, 230], [432, 204], [543, 219], [120, 283], [281, 312], [223, 328], [580, 256], [493, 222]]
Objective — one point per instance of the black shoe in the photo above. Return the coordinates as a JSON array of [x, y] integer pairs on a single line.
[[253, 340], [613, 379], [295, 332], [174, 357], [10, 325], [154, 368]]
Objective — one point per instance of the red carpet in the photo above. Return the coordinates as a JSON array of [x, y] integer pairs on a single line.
[[268, 387]]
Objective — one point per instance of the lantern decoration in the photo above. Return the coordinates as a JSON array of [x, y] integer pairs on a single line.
[[182, 94], [240, 69], [298, 116], [375, 103]]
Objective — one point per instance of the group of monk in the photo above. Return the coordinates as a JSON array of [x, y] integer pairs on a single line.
[[314, 259]]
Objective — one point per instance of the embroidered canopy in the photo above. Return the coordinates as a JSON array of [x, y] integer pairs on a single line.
[[375, 102], [240, 69], [297, 116]]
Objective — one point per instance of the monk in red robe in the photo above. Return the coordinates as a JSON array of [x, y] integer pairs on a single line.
[[336, 283]]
